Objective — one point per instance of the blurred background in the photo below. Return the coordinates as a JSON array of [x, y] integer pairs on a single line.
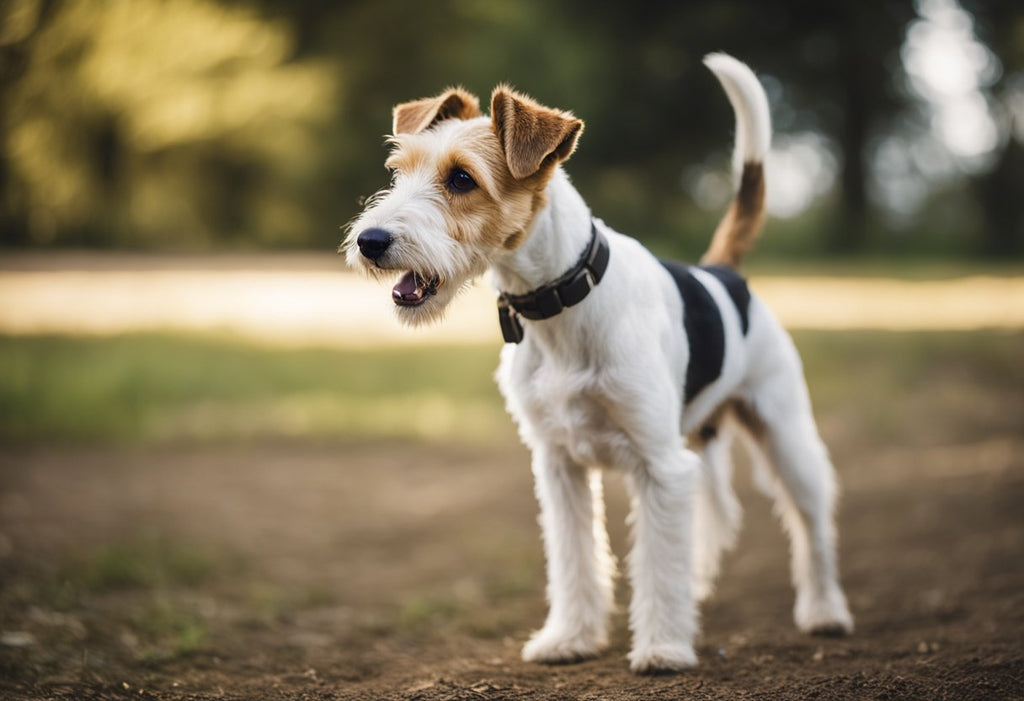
[[223, 465], [199, 125]]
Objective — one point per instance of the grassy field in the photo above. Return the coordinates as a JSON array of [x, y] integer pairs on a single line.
[[199, 517], [144, 388], [152, 388]]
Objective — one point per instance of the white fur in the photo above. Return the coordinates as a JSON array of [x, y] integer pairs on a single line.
[[753, 118], [600, 386], [411, 211]]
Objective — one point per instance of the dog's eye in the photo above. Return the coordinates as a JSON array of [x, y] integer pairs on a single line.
[[460, 181]]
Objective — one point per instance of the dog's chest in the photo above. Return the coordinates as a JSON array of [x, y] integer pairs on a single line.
[[568, 407]]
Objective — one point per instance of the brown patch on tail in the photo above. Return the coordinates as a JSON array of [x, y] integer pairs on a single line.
[[740, 226]]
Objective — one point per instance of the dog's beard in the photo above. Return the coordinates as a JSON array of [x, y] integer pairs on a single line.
[[435, 302], [425, 266], [420, 294]]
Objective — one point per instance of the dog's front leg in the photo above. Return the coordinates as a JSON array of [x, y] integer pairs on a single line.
[[580, 566], [662, 613]]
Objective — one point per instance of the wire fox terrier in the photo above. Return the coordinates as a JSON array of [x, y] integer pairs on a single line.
[[613, 359]]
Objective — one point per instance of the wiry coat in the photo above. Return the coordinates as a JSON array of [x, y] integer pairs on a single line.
[[601, 385]]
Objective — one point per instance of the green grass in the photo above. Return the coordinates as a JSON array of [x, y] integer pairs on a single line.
[[915, 388], [151, 388], [168, 628], [146, 560], [143, 590], [915, 269]]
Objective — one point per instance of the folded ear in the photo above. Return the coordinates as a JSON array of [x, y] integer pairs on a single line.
[[531, 135], [413, 117]]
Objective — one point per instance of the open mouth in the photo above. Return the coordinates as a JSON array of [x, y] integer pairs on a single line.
[[413, 289]]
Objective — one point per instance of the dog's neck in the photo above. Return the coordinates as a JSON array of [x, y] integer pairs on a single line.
[[558, 236]]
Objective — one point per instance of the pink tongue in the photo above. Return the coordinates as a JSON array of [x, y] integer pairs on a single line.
[[406, 288]]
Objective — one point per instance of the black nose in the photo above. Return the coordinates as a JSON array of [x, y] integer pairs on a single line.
[[373, 242]]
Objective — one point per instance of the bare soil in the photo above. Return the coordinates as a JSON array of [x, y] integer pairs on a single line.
[[381, 570]]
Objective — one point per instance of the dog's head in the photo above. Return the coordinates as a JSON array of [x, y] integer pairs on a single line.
[[465, 189]]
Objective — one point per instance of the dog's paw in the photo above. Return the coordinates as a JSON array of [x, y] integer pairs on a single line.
[[662, 659], [556, 647], [823, 615]]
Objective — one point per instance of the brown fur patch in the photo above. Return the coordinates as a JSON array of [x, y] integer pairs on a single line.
[[502, 209], [511, 159], [699, 439], [739, 228], [407, 156], [732, 410], [531, 135], [749, 418], [418, 115], [496, 214]]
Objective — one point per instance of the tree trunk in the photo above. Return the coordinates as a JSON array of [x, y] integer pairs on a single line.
[[850, 233]]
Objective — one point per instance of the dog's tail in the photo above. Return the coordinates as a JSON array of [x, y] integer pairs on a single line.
[[741, 225]]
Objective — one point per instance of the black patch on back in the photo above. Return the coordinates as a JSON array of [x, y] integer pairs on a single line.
[[705, 332], [737, 288]]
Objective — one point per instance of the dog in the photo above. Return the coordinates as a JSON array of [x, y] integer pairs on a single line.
[[613, 360]]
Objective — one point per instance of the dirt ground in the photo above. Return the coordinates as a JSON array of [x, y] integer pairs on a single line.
[[403, 570]]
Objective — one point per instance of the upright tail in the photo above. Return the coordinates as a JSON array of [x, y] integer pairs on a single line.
[[740, 226]]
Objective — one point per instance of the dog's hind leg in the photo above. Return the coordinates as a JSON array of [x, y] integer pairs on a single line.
[[717, 512], [780, 419], [580, 565]]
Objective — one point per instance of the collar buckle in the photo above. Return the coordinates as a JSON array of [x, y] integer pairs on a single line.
[[511, 326], [577, 288]]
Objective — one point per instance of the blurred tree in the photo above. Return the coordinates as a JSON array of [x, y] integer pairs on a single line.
[[150, 123], [20, 21], [1001, 25], [258, 122], [835, 60], [868, 38]]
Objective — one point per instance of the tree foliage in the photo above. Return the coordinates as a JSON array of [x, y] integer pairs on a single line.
[[208, 123]]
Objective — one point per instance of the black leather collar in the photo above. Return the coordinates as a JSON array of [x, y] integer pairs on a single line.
[[549, 300]]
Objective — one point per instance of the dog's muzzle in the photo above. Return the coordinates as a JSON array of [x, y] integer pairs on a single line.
[[373, 243], [413, 287]]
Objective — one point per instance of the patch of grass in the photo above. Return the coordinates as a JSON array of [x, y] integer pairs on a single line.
[[168, 629], [150, 593], [268, 603], [145, 561], [421, 612], [910, 387], [839, 365], [157, 388], [489, 608], [916, 268], [153, 388], [419, 615]]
